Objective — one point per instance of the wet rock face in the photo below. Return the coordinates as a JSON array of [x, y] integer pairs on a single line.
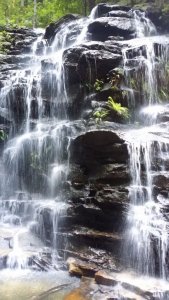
[[158, 16], [88, 62], [98, 147], [16, 102], [20, 40], [98, 194], [53, 28]]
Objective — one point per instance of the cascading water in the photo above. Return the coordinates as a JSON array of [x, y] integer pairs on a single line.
[[33, 161], [147, 233]]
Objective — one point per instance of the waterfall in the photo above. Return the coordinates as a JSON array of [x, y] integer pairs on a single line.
[[37, 188], [147, 229], [34, 160]]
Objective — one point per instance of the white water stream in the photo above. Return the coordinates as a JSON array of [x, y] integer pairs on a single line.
[[148, 146], [33, 164]]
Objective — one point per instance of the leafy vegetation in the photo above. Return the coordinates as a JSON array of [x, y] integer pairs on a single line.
[[102, 114], [39, 13], [117, 107]]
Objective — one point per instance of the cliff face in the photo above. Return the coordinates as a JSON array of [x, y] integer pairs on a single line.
[[99, 76]]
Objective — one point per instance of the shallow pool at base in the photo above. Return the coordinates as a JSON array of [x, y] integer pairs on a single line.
[[27, 285]]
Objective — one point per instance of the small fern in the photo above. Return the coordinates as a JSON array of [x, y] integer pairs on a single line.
[[117, 107]]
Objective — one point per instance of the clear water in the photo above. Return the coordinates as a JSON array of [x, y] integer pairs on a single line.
[[28, 285]]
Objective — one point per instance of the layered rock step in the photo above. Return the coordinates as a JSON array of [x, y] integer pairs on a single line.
[[110, 285]]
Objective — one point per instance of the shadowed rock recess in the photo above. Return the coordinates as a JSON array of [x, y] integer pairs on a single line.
[[69, 100]]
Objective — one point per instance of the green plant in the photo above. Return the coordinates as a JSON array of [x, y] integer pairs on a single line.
[[98, 85], [3, 135], [100, 115], [117, 107]]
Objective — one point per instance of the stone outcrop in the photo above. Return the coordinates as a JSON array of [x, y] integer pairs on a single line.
[[87, 62], [105, 27]]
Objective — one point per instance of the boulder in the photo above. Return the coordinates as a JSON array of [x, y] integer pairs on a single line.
[[80, 268], [104, 27], [98, 147]]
